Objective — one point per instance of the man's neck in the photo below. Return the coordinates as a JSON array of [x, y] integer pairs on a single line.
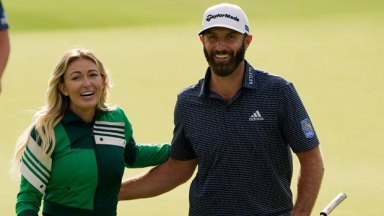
[[228, 86]]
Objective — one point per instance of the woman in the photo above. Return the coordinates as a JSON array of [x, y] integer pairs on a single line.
[[73, 154]]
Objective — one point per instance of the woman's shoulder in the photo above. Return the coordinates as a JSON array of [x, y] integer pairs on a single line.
[[114, 114]]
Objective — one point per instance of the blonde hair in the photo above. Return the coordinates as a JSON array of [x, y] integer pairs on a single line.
[[48, 116]]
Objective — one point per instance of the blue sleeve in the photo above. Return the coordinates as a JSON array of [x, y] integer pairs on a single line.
[[3, 18], [181, 148], [298, 130]]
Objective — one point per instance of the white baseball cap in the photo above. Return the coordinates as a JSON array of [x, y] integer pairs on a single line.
[[225, 15]]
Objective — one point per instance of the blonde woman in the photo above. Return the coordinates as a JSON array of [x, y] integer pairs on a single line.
[[73, 154]]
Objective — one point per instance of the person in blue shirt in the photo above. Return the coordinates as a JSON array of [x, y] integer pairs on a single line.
[[238, 125], [4, 42]]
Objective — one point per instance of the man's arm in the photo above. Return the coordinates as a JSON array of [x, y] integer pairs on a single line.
[[4, 51], [309, 181], [158, 180]]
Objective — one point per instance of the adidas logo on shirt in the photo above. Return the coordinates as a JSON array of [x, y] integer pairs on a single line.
[[256, 116]]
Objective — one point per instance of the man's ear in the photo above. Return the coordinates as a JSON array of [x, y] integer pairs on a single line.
[[248, 40], [62, 89], [201, 38]]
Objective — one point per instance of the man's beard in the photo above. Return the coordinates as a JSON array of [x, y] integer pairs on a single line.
[[221, 68]]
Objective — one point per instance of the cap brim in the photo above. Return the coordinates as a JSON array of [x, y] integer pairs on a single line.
[[223, 26]]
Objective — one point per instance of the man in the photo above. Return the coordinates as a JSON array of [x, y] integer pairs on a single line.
[[238, 125], [4, 42]]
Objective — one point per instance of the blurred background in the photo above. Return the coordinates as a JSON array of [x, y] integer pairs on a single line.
[[331, 50]]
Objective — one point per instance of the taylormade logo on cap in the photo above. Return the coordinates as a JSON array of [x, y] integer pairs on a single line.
[[225, 15], [210, 16]]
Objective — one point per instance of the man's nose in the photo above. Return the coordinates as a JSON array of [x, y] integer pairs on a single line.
[[220, 44]]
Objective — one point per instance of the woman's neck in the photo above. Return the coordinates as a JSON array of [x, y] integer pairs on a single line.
[[85, 115]]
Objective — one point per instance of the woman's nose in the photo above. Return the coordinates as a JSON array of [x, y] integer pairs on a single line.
[[87, 82]]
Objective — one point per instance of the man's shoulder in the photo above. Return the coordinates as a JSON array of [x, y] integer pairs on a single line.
[[192, 90], [257, 77], [265, 78]]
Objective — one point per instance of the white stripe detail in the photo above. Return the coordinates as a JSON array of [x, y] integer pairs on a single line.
[[256, 116], [31, 161], [121, 124], [32, 179], [107, 140], [258, 113], [45, 159], [122, 135], [109, 128]]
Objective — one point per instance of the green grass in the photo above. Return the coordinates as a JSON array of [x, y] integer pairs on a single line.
[[333, 55], [25, 15]]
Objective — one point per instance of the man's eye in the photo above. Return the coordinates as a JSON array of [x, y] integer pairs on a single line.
[[212, 38], [231, 36]]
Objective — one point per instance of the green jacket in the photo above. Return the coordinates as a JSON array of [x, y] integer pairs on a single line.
[[83, 174]]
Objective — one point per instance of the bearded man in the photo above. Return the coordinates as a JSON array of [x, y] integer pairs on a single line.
[[238, 125]]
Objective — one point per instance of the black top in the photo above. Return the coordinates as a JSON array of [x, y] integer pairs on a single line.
[[243, 148]]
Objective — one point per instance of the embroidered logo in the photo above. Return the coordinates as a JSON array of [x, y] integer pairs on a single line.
[[256, 116], [210, 16], [307, 128]]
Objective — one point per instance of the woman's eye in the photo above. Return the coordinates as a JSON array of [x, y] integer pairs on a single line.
[[94, 74]]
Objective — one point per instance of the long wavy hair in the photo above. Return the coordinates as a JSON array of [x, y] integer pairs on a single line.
[[48, 116]]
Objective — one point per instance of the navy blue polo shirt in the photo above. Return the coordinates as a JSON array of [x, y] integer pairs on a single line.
[[3, 18], [243, 148]]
